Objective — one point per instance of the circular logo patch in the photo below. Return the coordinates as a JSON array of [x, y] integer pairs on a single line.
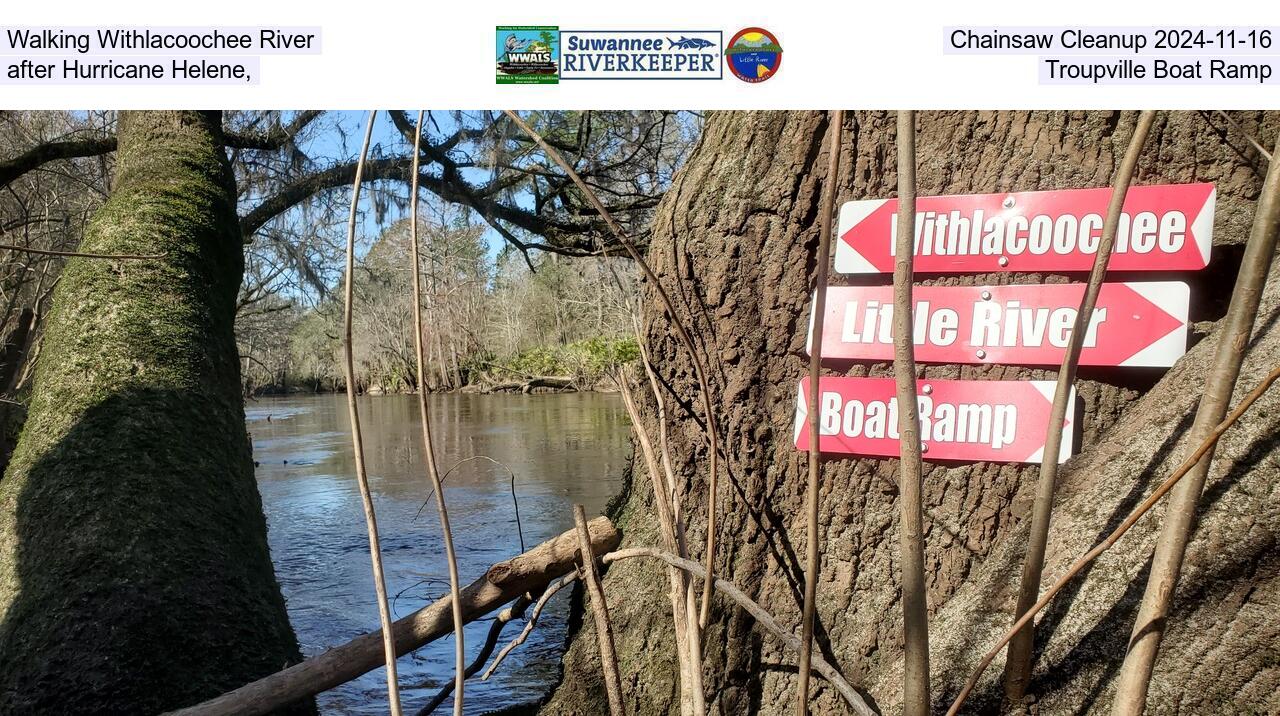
[[754, 55]]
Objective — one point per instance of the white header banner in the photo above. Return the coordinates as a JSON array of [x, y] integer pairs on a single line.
[[658, 54]]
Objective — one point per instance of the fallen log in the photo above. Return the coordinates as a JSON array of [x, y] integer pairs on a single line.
[[552, 382], [503, 582]]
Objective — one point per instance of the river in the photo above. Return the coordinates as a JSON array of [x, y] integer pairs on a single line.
[[562, 448]]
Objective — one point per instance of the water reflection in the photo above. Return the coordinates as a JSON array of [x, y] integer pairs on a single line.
[[562, 448]]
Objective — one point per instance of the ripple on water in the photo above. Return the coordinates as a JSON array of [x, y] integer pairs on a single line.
[[563, 449]]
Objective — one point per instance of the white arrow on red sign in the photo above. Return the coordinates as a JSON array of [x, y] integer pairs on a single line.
[[969, 420], [1162, 228], [1133, 324]]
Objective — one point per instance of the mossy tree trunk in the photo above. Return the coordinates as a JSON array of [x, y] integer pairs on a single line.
[[134, 570], [734, 242]]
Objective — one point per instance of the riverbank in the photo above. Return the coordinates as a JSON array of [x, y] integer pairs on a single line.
[[584, 366], [533, 385]]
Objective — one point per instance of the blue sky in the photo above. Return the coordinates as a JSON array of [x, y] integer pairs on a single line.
[[333, 146]]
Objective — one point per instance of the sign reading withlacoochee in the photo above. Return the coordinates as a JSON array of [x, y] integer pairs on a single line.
[[1133, 324], [996, 421], [1162, 228]]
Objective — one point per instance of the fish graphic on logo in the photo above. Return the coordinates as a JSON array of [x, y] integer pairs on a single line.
[[753, 55], [686, 43]]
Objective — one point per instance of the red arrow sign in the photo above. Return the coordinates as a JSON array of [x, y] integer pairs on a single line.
[[1133, 324], [972, 420], [1163, 228]]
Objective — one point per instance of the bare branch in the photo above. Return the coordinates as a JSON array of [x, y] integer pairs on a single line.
[[77, 254], [681, 332], [1205, 447], [915, 609], [371, 520], [433, 470], [1179, 519], [503, 582], [600, 611], [505, 617], [1019, 664], [274, 138], [812, 554], [762, 617], [38, 156], [531, 622]]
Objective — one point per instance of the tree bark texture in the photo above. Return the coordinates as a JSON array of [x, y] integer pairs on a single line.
[[134, 570], [734, 242]]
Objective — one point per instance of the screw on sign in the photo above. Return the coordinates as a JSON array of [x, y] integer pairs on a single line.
[[1133, 324], [1162, 228], [995, 421]]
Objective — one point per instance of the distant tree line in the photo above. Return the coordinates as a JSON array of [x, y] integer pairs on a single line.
[[489, 320]]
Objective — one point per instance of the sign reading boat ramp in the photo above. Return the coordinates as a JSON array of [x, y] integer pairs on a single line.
[[1133, 324], [995, 421], [1162, 228]]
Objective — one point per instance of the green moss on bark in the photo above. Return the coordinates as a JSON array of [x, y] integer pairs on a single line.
[[134, 570]]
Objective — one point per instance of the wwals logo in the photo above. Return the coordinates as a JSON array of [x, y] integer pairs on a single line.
[[528, 54]]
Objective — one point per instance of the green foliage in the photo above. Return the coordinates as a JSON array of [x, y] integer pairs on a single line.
[[603, 354], [587, 361]]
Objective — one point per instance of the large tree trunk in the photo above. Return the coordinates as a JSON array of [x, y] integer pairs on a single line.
[[134, 570], [734, 241]]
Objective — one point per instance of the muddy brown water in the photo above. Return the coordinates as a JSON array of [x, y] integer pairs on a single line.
[[562, 448]]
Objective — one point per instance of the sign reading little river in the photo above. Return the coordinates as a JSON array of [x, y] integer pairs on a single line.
[[1133, 324], [996, 421], [1162, 228]]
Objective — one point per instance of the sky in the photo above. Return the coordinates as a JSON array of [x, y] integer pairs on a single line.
[[333, 146]]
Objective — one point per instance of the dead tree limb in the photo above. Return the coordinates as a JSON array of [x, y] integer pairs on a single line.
[[1173, 480], [429, 452], [1017, 672], [34, 158], [1179, 518], [505, 617], [1248, 137], [812, 555], [600, 612], [357, 441], [915, 609], [683, 605], [762, 617], [554, 382], [691, 646], [80, 255], [682, 333], [530, 622], [503, 582]]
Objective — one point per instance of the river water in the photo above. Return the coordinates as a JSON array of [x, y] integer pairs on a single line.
[[562, 448]]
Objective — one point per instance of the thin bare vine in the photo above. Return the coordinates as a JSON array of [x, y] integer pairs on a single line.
[[1114, 537], [681, 332], [80, 255], [1018, 666], [357, 441], [433, 471], [1179, 519], [600, 612], [812, 554], [915, 609]]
